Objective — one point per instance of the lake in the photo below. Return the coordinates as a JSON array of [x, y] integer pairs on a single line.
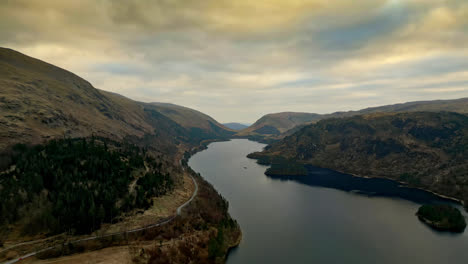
[[326, 217]]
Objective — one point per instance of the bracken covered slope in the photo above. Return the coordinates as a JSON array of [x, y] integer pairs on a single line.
[[39, 101], [199, 125]]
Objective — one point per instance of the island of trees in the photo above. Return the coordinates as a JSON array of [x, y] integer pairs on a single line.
[[442, 217]]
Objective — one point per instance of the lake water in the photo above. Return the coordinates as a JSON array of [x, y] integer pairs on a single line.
[[327, 217]]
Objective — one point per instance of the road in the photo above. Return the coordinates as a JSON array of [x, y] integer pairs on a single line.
[[178, 212]]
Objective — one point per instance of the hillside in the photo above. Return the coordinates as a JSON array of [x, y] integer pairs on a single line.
[[40, 101], [95, 161], [455, 105], [199, 125], [235, 126], [424, 149], [277, 126]]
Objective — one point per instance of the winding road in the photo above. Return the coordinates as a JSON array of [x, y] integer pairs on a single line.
[[178, 212]]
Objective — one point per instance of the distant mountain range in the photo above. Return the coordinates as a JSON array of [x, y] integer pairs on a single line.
[[276, 126], [236, 126]]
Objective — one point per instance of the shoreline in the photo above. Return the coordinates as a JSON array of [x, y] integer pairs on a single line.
[[184, 162], [234, 245], [402, 183]]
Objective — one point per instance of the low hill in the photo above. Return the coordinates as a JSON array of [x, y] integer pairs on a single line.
[[40, 101], [235, 126], [424, 149]]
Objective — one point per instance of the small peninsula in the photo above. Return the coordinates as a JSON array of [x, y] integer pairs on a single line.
[[442, 217], [279, 166]]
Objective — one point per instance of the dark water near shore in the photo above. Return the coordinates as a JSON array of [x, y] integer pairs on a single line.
[[327, 217]]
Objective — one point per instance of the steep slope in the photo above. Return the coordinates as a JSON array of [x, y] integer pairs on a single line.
[[96, 159], [235, 126], [199, 125], [40, 101], [425, 149]]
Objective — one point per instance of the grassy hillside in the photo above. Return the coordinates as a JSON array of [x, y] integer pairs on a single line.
[[40, 101], [425, 149], [197, 123]]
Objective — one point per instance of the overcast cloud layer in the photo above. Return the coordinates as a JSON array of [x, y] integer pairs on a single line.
[[239, 59]]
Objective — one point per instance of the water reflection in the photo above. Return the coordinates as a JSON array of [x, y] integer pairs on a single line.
[[371, 187]]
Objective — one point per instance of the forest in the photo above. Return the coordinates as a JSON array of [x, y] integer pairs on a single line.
[[75, 185]]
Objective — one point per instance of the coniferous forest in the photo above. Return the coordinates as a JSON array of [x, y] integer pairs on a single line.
[[75, 185]]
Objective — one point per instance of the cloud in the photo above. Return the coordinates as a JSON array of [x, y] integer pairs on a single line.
[[238, 60]]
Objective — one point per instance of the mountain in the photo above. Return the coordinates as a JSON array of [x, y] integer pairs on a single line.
[[197, 123], [455, 105], [425, 149], [235, 126], [277, 126], [40, 101], [97, 161]]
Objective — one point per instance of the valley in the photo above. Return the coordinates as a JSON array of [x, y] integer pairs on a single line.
[[86, 172], [221, 131]]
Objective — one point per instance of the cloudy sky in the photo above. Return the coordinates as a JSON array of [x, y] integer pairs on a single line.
[[239, 59]]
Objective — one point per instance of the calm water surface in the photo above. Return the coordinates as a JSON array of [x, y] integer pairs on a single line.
[[328, 218]]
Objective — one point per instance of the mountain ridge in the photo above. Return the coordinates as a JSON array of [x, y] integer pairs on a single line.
[[275, 126], [40, 101]]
